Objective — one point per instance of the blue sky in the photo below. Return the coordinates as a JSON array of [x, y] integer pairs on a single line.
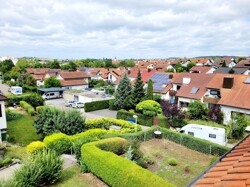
[[124, 28]]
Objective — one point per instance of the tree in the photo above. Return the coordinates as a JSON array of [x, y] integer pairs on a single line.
[[237, 125], [197, 110], [6, 66], [224, 64], [173, 113], [138, 92], [53, 64], [190, 65], [215, 114], [70, 122], [149, 94], [108, 63], [22, 64], [123, 94], [149, 108], [52, 82]]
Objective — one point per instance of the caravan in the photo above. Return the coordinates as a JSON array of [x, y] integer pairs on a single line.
[[17, 90], [213, 134]]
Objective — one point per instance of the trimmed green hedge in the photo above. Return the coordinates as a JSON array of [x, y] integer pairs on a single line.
[[97, 105], [186, 140], [142, 119], [33, 99], [114, 170], [105, 123], [28, 108]]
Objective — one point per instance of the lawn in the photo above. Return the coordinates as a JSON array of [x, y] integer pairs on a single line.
[[73, 177], [189, 163], [21, 131]]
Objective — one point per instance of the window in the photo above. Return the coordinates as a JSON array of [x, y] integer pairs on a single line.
[[51, 94], [212, 135], [1, 115], [191, 133]]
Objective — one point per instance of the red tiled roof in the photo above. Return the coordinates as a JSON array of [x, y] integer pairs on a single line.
[[201, 69], [3, 98], [145, 74], [73, 82], [232, 171], [197, 80], [73, 75]]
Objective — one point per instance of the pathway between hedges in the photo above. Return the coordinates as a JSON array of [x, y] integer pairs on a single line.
[[7, 173]]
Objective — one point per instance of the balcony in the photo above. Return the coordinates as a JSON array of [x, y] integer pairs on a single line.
[[209, 99]]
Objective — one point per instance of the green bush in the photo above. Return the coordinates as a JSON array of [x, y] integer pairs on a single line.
[[27, 107], [34, 147], [115, 170], [172, 162], [97, 105], [12, 115], [5, 162], [33, 99], [149, 108], [44, 168], [105, 123], [112, 104], [59, 142], [142, 119]]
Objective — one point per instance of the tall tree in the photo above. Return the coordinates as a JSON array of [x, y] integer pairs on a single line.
[[53, 64], [6, 66], [149, 94], [138, 92], [123, 94]]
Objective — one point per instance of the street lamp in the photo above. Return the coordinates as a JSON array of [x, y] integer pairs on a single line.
[[135, 116]]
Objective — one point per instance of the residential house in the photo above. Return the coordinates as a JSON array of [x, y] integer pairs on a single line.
[[145, 74], [38, 74], [229, 62], [73, 80], [3, 123], [243, 64], [227, 70], [190, 87], [202, 69], [162, 83], [203, 61], [230, 170], [115, 75], [231, 92]]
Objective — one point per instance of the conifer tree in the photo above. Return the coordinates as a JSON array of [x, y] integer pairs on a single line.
[[123, 94], [138, 92], [149, 94]]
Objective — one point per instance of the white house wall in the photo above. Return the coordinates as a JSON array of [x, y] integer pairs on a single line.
[[3, 123], [227, 110]]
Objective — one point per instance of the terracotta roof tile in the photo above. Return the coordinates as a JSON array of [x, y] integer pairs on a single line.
[[232, 171], [73, 75], [73, 82]]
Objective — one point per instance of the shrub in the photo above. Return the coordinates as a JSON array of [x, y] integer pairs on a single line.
[[44, 168], [32, 98], [12, 115], [172, 162], [142, 119], [27, 107], [34, 147], [149, 108], [59, 142], [197, 109], [97, 105], [112, 105], [105, 123], [5, 162], [115, 170]]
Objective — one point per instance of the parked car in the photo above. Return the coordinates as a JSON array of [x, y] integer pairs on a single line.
[[51, 95], [69, 103], [78, 105]]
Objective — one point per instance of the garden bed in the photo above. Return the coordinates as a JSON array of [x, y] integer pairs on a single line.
[[166, 153]]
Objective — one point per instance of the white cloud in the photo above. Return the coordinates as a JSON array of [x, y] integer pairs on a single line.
[[124, 29]]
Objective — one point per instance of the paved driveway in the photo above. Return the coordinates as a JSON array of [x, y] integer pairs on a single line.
[[59, 103]]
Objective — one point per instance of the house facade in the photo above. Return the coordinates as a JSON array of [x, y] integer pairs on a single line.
[[3, 122]]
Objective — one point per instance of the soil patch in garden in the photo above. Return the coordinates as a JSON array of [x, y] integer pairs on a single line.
[[190, 163]]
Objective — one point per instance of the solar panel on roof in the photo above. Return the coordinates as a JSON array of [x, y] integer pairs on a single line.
[[194, 90], [247, 81]]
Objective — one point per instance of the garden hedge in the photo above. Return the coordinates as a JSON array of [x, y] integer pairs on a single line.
[[191, 142], [105, 123], [33, 99], [28, 108], [142, 119], [117, 171], [97, 105]]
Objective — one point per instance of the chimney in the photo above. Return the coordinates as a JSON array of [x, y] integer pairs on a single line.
[[228, 82], [171, 76], [149, 69], [129, 71]]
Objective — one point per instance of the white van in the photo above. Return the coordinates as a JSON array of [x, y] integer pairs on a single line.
[[17, 90], [213, 134], [51, 95]]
